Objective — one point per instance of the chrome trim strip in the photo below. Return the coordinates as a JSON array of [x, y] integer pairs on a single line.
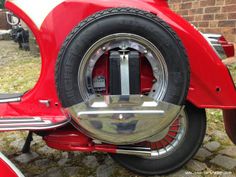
[[7, 120], [121, 112], [124, 74], [10, 100], [143, 153], [212, 39], [11, 165], [44, 125]]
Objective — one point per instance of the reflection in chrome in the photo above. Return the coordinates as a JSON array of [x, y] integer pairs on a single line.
[[124, 119], [117, 42], [35, 123], [177, 140], [147, 152], [9, 100]]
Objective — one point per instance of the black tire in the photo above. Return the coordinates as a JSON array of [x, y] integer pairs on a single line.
[[193, 139], [121, 20]]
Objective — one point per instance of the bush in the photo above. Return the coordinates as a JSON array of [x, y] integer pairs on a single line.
[[2, 4]]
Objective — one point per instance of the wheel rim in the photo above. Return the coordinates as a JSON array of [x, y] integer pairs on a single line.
[[172, 140], [123, 41]]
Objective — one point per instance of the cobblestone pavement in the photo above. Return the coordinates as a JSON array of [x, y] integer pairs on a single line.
[[216, 157]]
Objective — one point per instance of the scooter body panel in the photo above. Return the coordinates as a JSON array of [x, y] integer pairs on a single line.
[[8, 169]]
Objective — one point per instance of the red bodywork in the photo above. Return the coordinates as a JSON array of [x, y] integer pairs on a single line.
[[7, 168], [211, 84]]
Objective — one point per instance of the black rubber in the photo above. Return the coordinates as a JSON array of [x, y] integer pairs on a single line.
[[194, 137], [121, 20]]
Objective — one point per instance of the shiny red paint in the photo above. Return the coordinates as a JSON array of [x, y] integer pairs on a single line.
[[73, 140], [7, 169]]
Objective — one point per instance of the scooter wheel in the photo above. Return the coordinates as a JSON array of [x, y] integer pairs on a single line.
[[174, 153], [108, 31]]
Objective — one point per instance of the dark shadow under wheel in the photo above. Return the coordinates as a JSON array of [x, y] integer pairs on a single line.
[[194, 135]]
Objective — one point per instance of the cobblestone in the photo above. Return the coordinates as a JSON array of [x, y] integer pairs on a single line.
[[224, 162]]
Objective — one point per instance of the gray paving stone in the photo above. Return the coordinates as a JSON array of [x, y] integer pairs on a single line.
[[196, 166], [71, 171], [47, 150], [53, 172], [37, 139], [90, 161], [104, 171], [207, 138], [18, 144], [62, 162], [219, 134], [212, 146], [43, 163], [27, 157], [224, 162], [14, 135], [202, 154], [65, 155], [109, 161], [229, 151]]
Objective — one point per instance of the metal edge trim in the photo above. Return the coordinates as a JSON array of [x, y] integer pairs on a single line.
[[10, 100], [27, 127]]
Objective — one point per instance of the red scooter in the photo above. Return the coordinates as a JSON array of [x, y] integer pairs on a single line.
[[130, 78]]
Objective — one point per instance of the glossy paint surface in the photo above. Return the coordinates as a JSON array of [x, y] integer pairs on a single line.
[[7, 169], [211, 84], [73, 140]]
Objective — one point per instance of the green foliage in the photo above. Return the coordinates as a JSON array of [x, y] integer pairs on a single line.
[[2, 4]]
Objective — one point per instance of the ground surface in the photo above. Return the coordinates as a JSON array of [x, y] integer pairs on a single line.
[[20, 71]]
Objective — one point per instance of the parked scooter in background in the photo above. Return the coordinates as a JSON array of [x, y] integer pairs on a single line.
[[18, 33]]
